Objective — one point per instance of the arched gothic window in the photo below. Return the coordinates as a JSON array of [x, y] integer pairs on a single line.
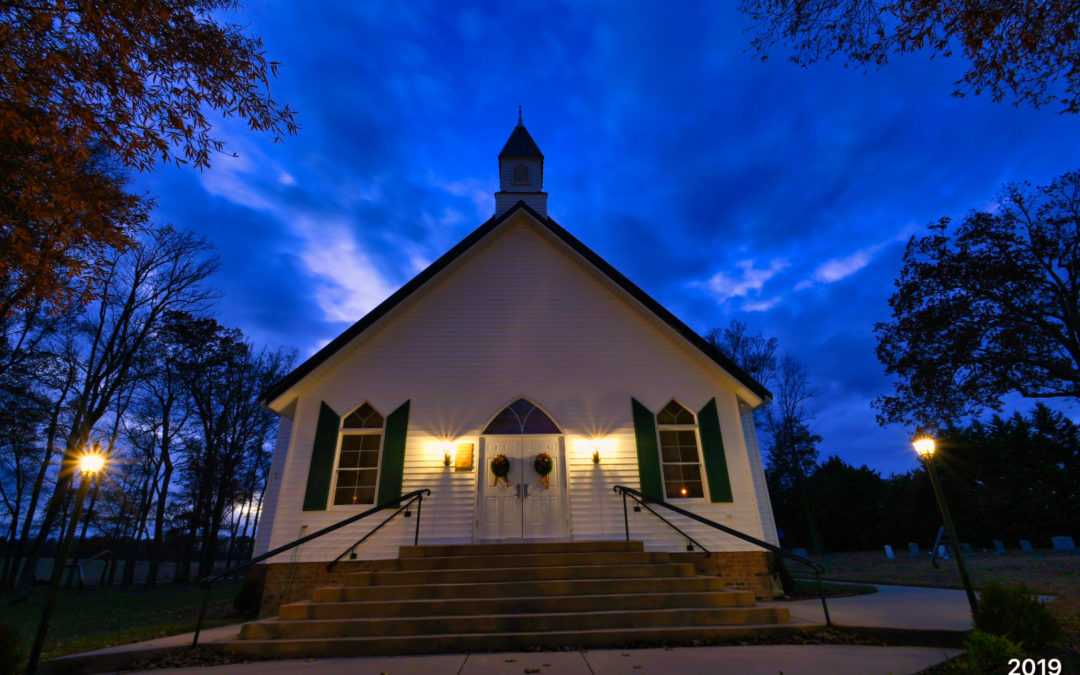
[[522, 417], [358, 457], [521, 174], [679, 456]]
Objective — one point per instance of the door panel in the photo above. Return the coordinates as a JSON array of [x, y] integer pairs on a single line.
[[544, 518], [501, 518]]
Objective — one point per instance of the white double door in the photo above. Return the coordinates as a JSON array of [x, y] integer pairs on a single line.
[[521, 507]]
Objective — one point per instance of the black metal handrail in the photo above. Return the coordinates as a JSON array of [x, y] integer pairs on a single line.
[[645, 501], [418, 500], [207, 582]]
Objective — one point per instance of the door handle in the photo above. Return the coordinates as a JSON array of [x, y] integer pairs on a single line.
[[526, 490], [519, 490]]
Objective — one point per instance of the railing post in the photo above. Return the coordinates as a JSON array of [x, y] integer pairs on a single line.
[[419, 505], [821, 592], [202, 615], [625, 517]]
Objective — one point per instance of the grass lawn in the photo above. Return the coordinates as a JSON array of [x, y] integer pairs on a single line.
[[96, 618]]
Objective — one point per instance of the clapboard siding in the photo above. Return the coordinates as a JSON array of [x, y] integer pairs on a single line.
[[757, 470], [517, 316], [273, 486]]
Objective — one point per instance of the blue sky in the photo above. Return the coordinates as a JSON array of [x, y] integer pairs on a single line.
[[726, 187]]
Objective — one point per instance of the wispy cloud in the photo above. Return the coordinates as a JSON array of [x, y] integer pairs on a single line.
[[761, 305], [749, 281], [350, 284]]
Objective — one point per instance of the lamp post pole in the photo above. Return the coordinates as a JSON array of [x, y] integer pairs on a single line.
[[89, 465], [928, 458]]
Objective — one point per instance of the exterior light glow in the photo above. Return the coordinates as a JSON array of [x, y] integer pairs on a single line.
[[91, 462], [684, 492], [924, 445], [447, 449]]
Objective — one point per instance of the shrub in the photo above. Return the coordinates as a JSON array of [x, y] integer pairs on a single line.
[[10, 652], [987, 653], [248, 599], [1015, 613]]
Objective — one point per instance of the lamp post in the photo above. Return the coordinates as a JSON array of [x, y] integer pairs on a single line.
[[90, 463], [924, 446]]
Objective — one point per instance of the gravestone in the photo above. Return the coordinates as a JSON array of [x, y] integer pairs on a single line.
[[888, 552], [966, 548], [913, 550], [1063, 544], [1025, 546], [999, 547], [800, 551]]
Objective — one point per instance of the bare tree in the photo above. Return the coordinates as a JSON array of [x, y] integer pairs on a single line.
[[164, 272]]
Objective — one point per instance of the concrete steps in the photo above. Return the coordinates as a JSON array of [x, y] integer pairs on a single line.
[[509, 605], [511, 596]]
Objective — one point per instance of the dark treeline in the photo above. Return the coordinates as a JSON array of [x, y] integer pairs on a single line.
[[168, 394], [1009, 479]]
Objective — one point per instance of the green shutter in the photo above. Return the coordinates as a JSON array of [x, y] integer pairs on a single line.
[[648, 452], [712, 448], [393, 454], [322, 460]]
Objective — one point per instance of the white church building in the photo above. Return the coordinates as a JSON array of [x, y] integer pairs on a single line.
[[520, 340]]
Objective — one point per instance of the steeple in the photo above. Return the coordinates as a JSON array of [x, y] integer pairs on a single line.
[[521, 172]]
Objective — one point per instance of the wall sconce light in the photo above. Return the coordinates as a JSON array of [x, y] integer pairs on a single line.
[[447, 459], [596, 450]]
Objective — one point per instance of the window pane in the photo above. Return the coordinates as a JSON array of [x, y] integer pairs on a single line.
[[668, 437], [670, 453], [365, 495], [349, 460], [343, 496], [686, 437], [673, 413], [694, 489], [369, 459], [505, 422], [688, 453], [346, 479], [366, 477], [522, 417], [370, 441], [691, 473], [672, 473], [351, 442], [364, 417]]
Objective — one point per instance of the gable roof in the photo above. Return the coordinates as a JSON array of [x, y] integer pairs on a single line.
[[520, 144], [317, 359]]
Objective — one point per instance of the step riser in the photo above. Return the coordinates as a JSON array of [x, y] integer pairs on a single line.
[[587, 603], [501, 642], [518, 589], [495, 561], [511, 623], [518, 548], [378, 578]]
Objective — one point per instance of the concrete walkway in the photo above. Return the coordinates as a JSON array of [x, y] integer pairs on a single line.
[[903, 608], [899, 607], [766, 660]]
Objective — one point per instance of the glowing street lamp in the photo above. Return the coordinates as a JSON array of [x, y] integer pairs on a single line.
[[924, 446], [91, 462]]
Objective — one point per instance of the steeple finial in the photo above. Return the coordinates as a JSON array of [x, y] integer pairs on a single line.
[[520, 124]]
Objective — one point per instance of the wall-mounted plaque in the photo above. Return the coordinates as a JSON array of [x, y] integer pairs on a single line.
[[464, 459]]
